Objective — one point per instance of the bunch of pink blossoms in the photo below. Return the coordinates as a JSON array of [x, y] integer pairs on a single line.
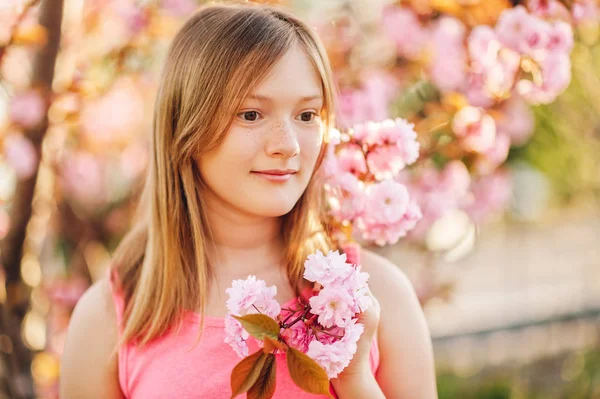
[[520, 41], [325, 328], [361, 168]]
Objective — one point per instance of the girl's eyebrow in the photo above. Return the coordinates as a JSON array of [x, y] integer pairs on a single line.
[[267, 99]]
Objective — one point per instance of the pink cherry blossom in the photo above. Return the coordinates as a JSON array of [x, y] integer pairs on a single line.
[[346, 196], [236, 336], [512, 24], [365, 132], [333, 358], [454, 179], [475, 128], [387, 201], [476, 91], [21, 155], [548, 9], [493, 67], [330, 165], [385, 162], [357, 286], [561, 37], [585, 11], [297, 336], [399, 131], [351, 159], [556, 76], [437, 192], [252, 296], [448, 64], [326, 269], [353, 332], [393, 145], [389, 213], [535, 38], [390, 232], [491, 195], [483, 45], [403, 27], [369, 102], [517, 120], [332, 305], [330, 336], [27, 109], [495, 156]]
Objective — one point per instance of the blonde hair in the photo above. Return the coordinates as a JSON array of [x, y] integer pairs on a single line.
[[220, 54]]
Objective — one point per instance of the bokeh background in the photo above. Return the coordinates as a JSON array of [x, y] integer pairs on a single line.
[[505, 98]]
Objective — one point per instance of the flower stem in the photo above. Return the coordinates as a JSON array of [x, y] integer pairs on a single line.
[[302, 316], [325, 332]]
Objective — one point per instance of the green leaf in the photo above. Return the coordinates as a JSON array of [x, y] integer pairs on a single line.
[[264, 387], [306, 373], [259, 326], [246, 372]]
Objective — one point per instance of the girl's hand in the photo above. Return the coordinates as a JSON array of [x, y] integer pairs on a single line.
[[360, 364]]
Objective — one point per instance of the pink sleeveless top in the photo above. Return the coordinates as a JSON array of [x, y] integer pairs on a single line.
[[172, 367]]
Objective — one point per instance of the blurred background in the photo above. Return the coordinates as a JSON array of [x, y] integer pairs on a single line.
[[505, 98]]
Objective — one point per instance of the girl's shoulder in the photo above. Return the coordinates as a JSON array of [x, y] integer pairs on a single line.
[[403, 336], [386, 280], [89, 362]]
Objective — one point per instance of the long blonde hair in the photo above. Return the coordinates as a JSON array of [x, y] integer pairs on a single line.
[[215, 60]]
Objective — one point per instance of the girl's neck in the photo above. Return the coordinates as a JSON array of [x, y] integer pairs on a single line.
[[242, 244]]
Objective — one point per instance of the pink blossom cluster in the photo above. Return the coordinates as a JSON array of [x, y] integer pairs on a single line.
[[491, 195], [246, 297], [389, 213], [360, 185], [370, 101], [344, 294], [437, 192], [522, 51], [402, 25], [448, 56], [325, 328]]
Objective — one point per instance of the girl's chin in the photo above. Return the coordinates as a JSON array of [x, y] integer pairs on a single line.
[[269, 207]]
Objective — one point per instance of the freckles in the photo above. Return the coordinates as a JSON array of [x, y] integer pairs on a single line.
[[281, 129], [252, 135]]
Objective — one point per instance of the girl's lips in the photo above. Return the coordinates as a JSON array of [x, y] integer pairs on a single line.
[[275, 177]]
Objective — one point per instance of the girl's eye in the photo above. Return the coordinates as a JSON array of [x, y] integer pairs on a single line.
[[307, 116], [249, 116]]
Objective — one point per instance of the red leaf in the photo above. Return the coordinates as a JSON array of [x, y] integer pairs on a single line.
[[246, 372], [306, 373], [264, 387]]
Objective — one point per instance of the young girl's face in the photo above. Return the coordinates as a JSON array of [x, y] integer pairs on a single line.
[[269, 153]]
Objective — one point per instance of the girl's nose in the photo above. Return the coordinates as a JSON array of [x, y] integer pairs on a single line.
[[282, 141]]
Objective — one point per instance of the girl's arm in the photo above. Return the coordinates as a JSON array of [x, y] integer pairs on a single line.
[[89, 362], [406, 369]]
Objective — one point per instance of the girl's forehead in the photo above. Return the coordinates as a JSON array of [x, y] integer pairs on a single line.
[[294, 73]]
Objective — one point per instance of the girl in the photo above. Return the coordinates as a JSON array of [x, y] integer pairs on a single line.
[[242, 115]]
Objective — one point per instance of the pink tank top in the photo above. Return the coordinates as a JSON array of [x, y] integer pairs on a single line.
[[172, 367]]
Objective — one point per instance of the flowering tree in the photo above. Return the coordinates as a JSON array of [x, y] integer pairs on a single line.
[[466, 77]]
